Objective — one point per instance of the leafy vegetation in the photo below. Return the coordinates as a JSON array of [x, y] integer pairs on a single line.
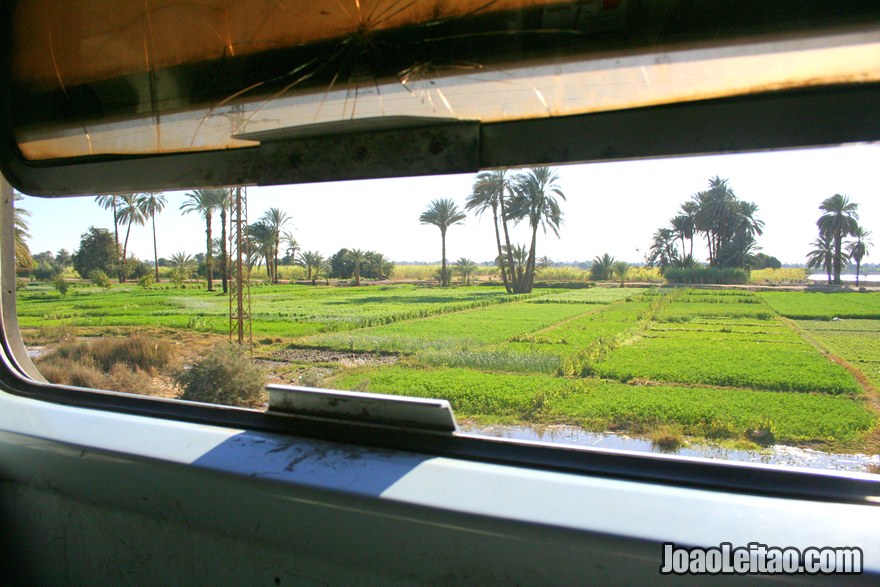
[[601, 405], [824, 306]]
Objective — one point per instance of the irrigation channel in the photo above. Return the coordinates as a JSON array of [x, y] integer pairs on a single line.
[[772, 455]]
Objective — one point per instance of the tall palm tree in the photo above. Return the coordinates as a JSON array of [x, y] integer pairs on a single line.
[[535, 199], [442, 213], [275, 219], [205, 203], [663, 253], [858, 249], [839, 220], [154, 203], [111, 202], [683, 227], [23, 258], [489, 193], [261, 244], [358, 257], [130, 211], [822, 255]]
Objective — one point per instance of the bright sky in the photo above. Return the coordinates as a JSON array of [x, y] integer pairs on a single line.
[[611, 208]]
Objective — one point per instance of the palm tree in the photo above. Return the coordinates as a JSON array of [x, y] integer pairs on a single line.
[[130, 211], [442, 213], [683, 227], [519, 256], [261, 244], [357, 257], [489, 192], [840, 220], [111, 202], [182, 266], [662, 253], [534, 198], [312, 261], [23, 258], [154, 203], [291, 244], [602, 268], [620, 269], [822, 255], [205, 202], [858, 249], [465, 267], [275, 219]]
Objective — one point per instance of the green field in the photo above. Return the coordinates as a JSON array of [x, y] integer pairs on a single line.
[[712, 363]]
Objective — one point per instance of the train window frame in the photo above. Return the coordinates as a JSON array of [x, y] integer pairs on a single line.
[[767, 120]]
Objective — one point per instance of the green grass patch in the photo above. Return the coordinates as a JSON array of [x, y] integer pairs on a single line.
[[461, 330], [856, 341], [808, 305], [600, 405]]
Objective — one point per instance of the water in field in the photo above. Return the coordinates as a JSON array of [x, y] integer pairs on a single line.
[[873, 278], [773, 455]]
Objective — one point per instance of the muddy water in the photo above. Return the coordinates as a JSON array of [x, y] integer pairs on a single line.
[[775, 455]]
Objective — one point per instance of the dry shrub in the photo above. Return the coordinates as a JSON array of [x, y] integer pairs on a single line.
[[226, 375], [137, 352], [119, 364], [65, 371], [123, 378]]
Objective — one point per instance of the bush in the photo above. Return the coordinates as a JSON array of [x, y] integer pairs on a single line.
[[137, 352], [99, 278], [707, 275], [226, 375], [66, 371], [61, 285], [45, 271], [146, 281]]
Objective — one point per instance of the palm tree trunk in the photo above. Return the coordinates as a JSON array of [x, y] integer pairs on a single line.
[[116, 234], [530, 262], [122, 271], [275, 260], [209, 258], [155, 251], [838, 261], [516, 280], [444, 279], [500, 253]]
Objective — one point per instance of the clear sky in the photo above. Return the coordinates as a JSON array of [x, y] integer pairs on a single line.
[[611, 208]]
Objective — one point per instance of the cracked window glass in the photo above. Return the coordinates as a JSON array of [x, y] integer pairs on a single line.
[[97, 78]]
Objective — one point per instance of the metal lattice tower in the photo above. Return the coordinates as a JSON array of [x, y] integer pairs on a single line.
[[240, 276]]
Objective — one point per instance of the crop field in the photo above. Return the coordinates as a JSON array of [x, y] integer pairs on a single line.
[[598, 404], [277, 311], [713, 363], [824, 306], [856, 341]]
